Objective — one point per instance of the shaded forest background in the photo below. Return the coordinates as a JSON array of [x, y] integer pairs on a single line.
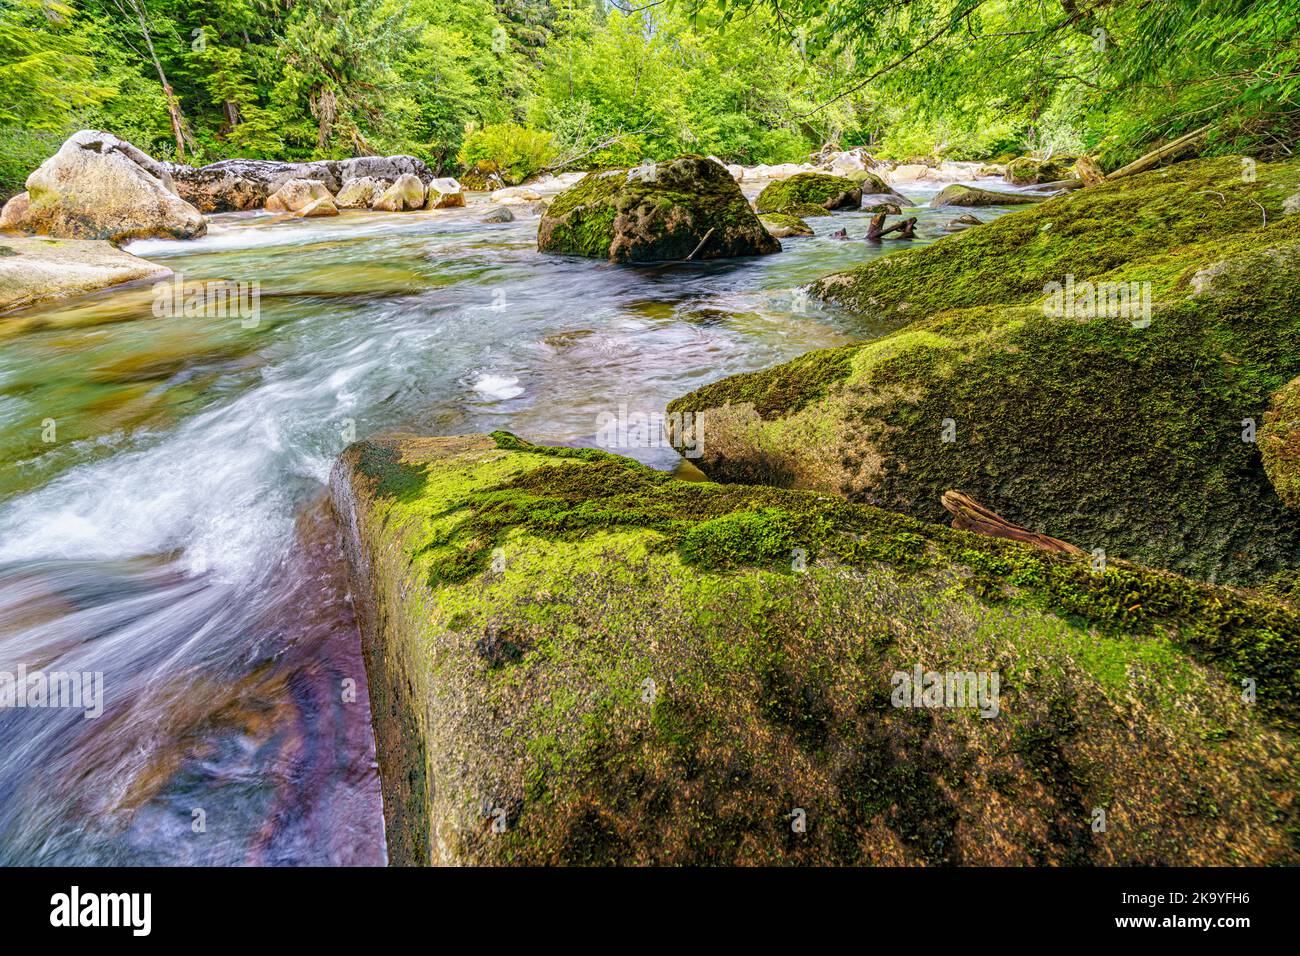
[[520, 85]]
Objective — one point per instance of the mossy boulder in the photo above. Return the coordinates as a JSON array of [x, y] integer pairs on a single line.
[[1279, 443], [573, 659], [686, 207], [817, 189], [959, 195], [1030, 170], [782, 226], [1126, 429]]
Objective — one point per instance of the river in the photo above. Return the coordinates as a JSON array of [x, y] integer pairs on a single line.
[[162, 511]]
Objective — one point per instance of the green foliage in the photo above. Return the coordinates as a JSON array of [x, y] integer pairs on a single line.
[[515, 152]]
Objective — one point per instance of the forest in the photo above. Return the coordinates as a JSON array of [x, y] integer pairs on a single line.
[[524, 85]]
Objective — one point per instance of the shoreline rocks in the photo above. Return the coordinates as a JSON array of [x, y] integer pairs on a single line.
[[236, 185]]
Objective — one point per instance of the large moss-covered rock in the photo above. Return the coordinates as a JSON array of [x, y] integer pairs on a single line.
[[100, 187], [664, 211], [819, 189], [1102, 429], [574, 659]]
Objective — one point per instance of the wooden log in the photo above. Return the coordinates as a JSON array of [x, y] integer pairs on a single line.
[[877, 230], [970, 515], [1172, 148]]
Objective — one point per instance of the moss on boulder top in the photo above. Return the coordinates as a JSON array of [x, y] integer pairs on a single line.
[[663, 211], [959, 195], [1100, 423], [782, 225], [573, 659], [818, 189]]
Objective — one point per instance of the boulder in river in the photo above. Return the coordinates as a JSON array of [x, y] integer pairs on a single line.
[[1084, 367], [498, 214], [829, 192], [444, 193], [573, 659], [959, 195], [239, 184], [100, 187], [783, 226], [405, 194], [685, 208], [296, 195], [1030, 170], [360, 193], [37, 269]]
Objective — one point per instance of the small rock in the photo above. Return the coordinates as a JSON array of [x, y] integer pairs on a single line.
[[406, 193], [360, 193], [500, 214], [445, 193]]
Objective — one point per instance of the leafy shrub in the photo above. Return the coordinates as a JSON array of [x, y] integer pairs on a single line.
[[516, 152]]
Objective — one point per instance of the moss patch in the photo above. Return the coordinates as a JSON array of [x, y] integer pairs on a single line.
[[815, 189]]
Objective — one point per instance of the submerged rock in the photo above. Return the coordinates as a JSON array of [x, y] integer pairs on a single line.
[[100, 187], [1084, 368], [238, 184], [781, 225], [34, 270], [959, 195], [296, 195], [829, 192], [499, 214], [573, 659], [688, 207]]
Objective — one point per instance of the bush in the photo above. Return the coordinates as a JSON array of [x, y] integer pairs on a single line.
[[515, 151], [21, 151]]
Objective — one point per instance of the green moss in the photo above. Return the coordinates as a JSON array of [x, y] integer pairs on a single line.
[[726, 526], [648, 677], [1084, 234], [818, 189], [798, 383], [805, 210], [781, 225]]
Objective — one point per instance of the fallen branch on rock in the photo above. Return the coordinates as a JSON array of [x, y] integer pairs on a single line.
[[970, 515]]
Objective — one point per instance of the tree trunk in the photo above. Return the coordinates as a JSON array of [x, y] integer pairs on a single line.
[[906, 228], [173, 104], [1164, 152]]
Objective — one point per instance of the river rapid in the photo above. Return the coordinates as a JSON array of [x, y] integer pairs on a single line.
[[163, 520]]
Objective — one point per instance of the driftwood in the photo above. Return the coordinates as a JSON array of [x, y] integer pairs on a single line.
[[906, 228], [700, 246], [1172, 148], [970, 515]]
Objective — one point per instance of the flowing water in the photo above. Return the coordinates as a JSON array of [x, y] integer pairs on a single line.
[[162, 511]]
